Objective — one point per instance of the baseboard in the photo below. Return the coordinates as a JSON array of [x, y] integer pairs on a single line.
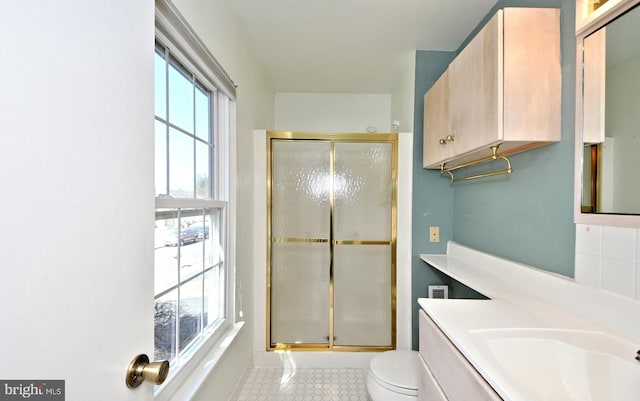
[[321, 359]]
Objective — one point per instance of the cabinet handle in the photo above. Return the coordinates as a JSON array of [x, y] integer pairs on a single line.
[[449, 138]]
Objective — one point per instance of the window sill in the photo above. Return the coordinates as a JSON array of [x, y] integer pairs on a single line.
[[189, 378]]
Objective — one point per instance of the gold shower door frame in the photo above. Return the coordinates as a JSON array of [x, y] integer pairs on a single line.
[[391, 138]]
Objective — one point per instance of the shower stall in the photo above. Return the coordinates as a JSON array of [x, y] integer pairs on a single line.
[[331, 252]]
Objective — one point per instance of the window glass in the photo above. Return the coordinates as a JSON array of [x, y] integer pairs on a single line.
[[212, 305], [189, 269], [165, 326], [214, 276], [202, 114], [202, 170], [167, 239], [181, 162], [183, 159], [191, 299], [181, 111], [190, 276]]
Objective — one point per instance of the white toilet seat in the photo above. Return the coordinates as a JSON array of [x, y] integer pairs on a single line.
[[396, 372]]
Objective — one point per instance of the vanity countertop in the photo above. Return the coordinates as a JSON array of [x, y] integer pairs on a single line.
[[522, 299]]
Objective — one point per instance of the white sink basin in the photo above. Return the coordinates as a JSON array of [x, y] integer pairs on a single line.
[[563, 365]]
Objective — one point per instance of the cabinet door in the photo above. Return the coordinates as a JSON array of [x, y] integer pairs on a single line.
[[428, 387], [457, 378], [436, 124], [475, 89]]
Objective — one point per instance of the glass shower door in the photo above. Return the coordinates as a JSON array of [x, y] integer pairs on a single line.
[[300, 249], [331, 274], [362, 236]]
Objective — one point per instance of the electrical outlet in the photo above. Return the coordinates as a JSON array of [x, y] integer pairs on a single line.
[[434, 234]]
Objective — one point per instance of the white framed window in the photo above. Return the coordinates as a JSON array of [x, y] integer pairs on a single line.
[[194, 211]]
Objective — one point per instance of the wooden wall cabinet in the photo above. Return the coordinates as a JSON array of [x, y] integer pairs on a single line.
[[446, 374], [503, 88]]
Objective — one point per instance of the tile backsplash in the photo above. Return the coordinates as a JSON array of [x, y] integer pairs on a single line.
[[609, 258]]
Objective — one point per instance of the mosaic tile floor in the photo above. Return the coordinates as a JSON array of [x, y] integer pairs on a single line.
[[310, 384]]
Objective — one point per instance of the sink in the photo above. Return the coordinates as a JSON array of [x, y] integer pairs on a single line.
[[556, 364]]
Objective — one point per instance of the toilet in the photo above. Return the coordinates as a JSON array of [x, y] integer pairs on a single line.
[[393, 376]]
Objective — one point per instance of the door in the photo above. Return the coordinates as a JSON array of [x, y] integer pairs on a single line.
[[300, 249], [331, 259], [76, 177], [363, 243]]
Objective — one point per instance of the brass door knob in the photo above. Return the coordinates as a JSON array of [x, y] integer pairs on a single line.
[[140, 370]]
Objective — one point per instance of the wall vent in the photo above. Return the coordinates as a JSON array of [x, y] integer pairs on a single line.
[[439, 291]]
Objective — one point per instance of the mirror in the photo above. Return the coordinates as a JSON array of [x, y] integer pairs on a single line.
[[611, 117]]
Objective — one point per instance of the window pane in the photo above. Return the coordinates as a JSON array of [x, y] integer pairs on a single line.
[[190, 311], [202, 114], [165, 326], [202, 171], [161, 158], [160, 86], [214, 248], [214, 256], [180, 99], [192, 251], [181, 179], [166, 250], [213, 289], [209, 240]]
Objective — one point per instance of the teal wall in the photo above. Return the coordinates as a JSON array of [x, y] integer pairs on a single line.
[[526, 216], [432, 194]]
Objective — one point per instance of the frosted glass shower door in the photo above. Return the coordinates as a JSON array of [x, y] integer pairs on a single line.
[[300, 247], [331, 265], [363, 244]]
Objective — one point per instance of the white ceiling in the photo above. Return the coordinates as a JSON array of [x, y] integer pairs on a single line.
[[351, 45]]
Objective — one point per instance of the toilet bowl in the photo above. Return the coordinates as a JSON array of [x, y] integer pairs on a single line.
[[393, 376]]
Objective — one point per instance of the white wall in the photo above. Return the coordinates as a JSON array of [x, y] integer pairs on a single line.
[[350, 112], [216, 24], [609, 258], [403, 94], [332, 112]]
